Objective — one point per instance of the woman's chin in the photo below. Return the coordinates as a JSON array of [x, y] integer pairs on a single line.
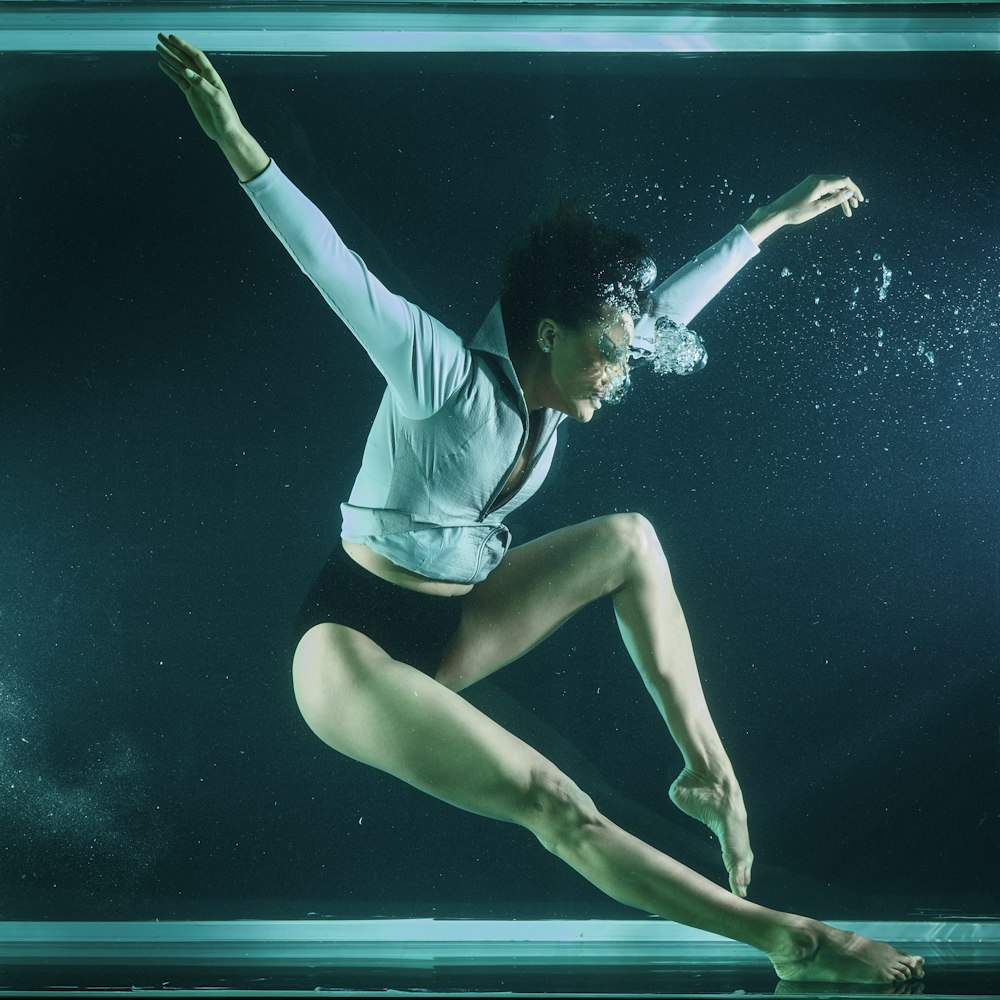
[[586, 409]]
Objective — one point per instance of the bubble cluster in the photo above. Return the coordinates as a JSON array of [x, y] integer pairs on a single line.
[[956, 320], [618, 385], [91, 818], [677, 349]]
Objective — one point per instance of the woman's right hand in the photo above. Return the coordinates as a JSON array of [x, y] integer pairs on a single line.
[[191, 70]]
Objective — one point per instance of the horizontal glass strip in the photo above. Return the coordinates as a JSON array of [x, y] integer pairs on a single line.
[[404, 28], [454, 942]]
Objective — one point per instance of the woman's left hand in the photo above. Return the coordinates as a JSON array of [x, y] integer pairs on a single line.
[[814, 196]]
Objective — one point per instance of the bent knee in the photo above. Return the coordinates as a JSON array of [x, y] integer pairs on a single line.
[[557, 811], [634, 537]]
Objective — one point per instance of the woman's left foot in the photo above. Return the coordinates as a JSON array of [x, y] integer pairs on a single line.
[[719, 805]]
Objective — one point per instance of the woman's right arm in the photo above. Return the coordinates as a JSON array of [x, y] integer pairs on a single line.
[[422, 360]]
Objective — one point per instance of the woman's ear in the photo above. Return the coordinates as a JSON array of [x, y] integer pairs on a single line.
[[546, 332]]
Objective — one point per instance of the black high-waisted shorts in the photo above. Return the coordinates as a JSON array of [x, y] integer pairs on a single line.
[[409, 626]]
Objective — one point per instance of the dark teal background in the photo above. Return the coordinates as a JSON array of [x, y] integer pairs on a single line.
[[181, 415]]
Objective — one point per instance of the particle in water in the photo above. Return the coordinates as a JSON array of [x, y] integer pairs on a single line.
[[886, 278]]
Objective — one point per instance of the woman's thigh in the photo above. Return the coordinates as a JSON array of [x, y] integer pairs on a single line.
[[389, 715], [538, 587]]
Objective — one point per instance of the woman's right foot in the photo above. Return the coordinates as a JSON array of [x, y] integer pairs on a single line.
[[823, 954], [718, 803]]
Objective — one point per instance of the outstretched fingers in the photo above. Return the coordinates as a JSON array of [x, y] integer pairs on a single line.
[[206, 94], [841, 191], [178, 56], [184, 52], [818, 194], [174, 62], [175, 74]]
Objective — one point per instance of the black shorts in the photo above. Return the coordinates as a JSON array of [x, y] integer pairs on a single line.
[[409, 626]]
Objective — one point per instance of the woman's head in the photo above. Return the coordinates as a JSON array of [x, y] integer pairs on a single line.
[[570, 268], [574, 289]]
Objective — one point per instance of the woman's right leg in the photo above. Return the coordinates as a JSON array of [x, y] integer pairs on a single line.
[[381, 712]]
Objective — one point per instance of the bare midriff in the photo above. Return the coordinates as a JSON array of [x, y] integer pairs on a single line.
[[386, 569]]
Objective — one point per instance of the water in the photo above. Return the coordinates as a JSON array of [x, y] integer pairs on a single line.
[[181, 417]]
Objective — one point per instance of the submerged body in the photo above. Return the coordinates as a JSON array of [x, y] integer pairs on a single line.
[[458, 442], [363, 699]]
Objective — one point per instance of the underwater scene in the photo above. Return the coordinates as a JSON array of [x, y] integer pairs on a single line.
[[813, 448]]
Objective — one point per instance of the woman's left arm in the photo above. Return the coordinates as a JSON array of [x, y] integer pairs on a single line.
[[686, 292]]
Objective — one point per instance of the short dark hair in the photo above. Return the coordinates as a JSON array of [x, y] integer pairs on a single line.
[[568, 268]]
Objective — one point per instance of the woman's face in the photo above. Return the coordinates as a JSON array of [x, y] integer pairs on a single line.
[[585, 362]]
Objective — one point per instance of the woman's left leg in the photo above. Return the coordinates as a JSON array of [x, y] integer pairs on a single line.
[[541, 584]]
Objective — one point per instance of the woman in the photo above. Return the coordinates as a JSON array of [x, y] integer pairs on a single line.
[[425, 583]]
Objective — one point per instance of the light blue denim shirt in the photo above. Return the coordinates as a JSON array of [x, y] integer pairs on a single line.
[[453, 419]]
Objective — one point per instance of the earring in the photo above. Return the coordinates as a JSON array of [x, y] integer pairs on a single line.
[[544, 346]]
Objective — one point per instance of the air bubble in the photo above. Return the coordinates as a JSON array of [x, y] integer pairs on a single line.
[[886, 278], [646, 273]]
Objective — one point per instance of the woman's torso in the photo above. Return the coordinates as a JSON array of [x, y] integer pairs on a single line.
[[386, 569]]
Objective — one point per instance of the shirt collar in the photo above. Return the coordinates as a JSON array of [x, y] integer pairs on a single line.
[[491, 336]]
